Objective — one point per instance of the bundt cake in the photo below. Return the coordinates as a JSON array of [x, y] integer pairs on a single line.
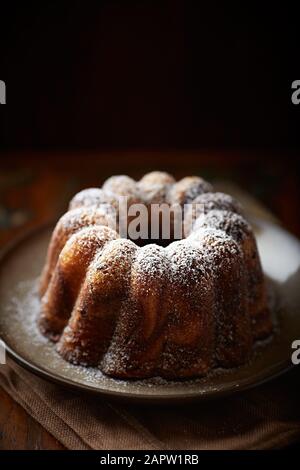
[[138, 310]]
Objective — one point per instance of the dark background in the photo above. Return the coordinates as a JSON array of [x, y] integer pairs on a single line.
[[99, 88], [168, 74]]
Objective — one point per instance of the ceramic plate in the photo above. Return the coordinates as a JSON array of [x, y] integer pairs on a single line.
[[21, 265]]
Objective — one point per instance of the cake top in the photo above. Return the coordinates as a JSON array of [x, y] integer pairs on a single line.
[[155, 209], [212, 223]]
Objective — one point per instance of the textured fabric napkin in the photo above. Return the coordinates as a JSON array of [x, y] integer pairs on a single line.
[[263, 418]]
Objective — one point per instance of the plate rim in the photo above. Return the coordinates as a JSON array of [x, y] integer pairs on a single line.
[[187, 396]]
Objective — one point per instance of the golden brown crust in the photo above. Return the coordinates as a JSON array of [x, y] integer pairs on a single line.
[[69, 274], [138, 312], [93, 320], [187, 189], [236, 227], [234, 337], [70, 223]]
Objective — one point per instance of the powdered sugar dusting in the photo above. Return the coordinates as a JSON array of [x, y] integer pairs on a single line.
[[20, 324], [234, 225], [189, 272], [218, 201]]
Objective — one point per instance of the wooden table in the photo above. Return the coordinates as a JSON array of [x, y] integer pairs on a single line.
[[19, 431], [36, 187]]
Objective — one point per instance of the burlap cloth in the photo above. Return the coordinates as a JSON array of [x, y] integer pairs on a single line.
[[262, 418]]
